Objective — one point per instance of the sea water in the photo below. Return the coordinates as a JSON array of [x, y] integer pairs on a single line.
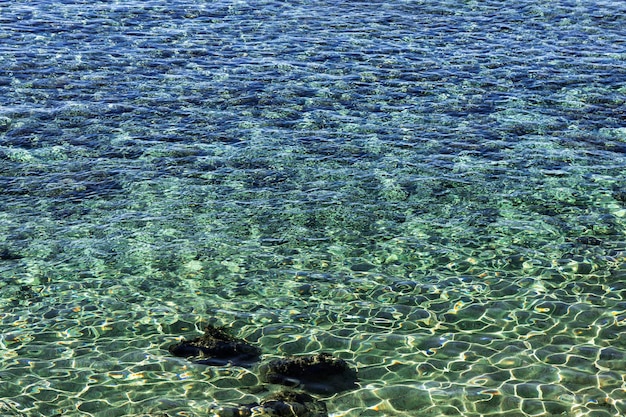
[[434, 191]]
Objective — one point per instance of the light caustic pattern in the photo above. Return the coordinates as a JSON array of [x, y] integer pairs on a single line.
[[432, 191]]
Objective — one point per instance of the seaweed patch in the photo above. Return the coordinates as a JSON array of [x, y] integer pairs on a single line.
[[322, 373], [217, 348]]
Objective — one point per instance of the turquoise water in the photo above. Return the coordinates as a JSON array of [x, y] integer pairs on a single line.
[[434, 191]]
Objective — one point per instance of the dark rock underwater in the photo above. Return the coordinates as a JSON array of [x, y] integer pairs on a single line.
[[319, 374]]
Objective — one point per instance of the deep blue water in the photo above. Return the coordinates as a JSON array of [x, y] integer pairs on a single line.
[[434, 191]]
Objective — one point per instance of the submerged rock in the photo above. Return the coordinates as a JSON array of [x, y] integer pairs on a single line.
[[588, 240], [217, 348], [322, 373], [282, 404]]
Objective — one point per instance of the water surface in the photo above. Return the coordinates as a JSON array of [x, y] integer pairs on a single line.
[[433, 191]]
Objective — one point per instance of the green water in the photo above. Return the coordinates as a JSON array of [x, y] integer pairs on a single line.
[[434, 192]]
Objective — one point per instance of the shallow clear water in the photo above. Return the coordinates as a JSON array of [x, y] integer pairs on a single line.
[[434, 191]]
